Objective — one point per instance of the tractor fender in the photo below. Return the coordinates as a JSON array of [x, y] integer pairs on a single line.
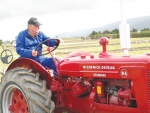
[[35, 66]]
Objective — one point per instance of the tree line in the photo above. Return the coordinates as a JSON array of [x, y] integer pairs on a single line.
[[134, 33]]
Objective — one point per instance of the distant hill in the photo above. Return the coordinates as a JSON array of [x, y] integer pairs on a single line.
[[138, 23]]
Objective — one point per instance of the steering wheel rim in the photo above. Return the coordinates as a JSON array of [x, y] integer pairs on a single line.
[[44, 42], [5, 58]]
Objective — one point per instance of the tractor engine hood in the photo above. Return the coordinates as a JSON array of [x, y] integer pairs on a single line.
[[91, 66]]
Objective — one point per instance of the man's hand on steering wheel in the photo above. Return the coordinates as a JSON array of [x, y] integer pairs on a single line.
[[57, 41], [34, 53]]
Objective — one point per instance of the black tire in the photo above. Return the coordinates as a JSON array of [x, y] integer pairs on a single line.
[[37, 96]]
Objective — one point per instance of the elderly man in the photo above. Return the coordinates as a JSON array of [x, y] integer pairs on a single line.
[[29, 39]]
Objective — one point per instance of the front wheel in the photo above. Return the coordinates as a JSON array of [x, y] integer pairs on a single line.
[[21, 91]]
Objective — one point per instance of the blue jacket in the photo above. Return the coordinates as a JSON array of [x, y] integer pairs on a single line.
[[25, 44]]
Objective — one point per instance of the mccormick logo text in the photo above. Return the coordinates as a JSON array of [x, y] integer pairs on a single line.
[[99, 67]]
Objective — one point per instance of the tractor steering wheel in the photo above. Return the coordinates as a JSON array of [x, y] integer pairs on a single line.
[[51, 50], [6, 56]]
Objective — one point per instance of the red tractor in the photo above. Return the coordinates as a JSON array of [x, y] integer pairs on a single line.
[[85, 84]]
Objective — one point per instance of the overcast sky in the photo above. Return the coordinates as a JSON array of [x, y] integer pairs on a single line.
[[60, 16]]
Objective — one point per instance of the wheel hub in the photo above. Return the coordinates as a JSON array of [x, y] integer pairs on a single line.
[[18, 103]]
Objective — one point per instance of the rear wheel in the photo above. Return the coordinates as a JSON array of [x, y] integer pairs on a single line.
[[21, 91]]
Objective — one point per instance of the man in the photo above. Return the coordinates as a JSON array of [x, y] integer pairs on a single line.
[[29, 39]]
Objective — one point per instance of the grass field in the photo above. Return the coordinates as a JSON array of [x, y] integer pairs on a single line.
[[138, 46]]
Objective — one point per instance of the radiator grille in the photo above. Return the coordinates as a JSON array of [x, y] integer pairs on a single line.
[[148, 85]]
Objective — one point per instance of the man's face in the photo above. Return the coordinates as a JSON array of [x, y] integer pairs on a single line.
[[33, 30]]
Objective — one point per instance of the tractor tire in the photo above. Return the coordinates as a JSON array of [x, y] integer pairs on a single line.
[[22, 91]]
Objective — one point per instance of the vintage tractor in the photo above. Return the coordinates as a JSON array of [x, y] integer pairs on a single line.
[[85, 84]]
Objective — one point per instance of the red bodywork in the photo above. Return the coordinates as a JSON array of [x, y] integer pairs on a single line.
[[102, 84], [125, 83]]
